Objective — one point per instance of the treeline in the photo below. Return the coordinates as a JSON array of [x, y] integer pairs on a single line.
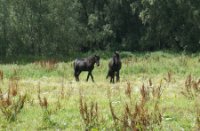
[[60, 27]]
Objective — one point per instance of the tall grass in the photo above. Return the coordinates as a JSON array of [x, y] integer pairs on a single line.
[[139, 116], [11, 102]]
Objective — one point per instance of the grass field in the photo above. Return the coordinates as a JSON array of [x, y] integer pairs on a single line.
[[157, 91]]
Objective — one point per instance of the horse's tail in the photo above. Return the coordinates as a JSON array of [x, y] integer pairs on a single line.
[[108, 74], [74, 64]]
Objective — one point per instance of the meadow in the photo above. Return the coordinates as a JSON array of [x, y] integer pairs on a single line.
[[157, 91]]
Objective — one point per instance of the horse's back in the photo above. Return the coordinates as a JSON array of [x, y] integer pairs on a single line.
[[115, 66], [82, 65]]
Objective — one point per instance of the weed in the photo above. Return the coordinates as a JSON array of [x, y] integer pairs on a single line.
[[157, 91], [1, 75], [114, 116], [197, 116], [47, 121], [11, 103], [43, 102], [150, 83], [128, 90], [13, 87], [140, 117], [48, 64], [89, 113], [62, 93], [192, 88], [15, 75], [169, 77], [144, 92]]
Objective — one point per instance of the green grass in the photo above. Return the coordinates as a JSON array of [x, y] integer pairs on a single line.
[[178, 112]]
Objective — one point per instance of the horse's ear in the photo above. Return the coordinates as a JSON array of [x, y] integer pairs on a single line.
[[116, 53], [96, 56]]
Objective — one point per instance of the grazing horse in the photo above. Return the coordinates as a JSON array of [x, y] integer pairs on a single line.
[[85, 64], [114, 67]]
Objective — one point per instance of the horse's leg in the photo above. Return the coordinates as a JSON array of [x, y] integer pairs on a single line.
[[77, 75], [117, 76], [92, 76], [88, 75], [108, 74], [111, 77]]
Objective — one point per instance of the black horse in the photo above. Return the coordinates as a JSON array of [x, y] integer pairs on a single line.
[[114, 67], [85, 64]]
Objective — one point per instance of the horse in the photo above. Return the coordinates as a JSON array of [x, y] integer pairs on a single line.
[[114, 66], [85, 64]]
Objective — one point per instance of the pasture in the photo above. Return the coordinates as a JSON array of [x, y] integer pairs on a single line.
[[157, 91]]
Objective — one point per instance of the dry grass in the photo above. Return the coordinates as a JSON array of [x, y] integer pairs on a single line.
[[11, 102], [1, 75], [197, 124], [43, 102], [192, 87], [89, 113], [13, 87], [128, 90], [47, 64], [169, 76], [140, 117]]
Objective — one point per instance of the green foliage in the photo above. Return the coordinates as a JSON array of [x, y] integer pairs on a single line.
[[58, 28]]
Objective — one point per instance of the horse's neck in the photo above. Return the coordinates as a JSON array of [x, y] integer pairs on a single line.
[[91, 60], [116, 60]]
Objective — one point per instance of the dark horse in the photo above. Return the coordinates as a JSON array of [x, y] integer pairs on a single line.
[[85, 64], [114, 67]]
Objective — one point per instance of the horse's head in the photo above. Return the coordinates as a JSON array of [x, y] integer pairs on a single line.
[[116, 54], [97, 59], [116, 57]]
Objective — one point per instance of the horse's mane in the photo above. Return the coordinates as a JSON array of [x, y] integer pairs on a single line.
[[116, 58], [90, 57], [86, 58]]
